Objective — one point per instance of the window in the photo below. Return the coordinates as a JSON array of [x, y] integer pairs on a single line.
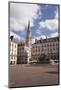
[[36, 46], [12, 44], [33, 47], [42, 49], [54, 48], [11, 62], [15, 51], [36, 49], [50, 50], [45, 45], [14, 62], [53, 44], [39, 49], [14, 57], [15, 46], [11, 57], [50, 45], [42, 46]]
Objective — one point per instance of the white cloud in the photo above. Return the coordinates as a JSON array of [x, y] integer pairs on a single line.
[[15, 25], [43, 36], [21, 13], [54, 34], [56, 13], [39, 37], [33, 40], [56, 16], [42, 24], [51, 24], [38, 31]]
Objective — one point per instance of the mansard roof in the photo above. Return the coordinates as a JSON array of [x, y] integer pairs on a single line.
[[46, 40]]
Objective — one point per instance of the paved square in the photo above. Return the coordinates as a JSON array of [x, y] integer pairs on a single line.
[[29, 75]]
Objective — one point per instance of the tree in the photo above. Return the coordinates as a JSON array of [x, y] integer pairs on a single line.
[[43, 59]]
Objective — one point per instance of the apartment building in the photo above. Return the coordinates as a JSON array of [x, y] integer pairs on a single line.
[[21, 54], [13, 52], [49, 47]]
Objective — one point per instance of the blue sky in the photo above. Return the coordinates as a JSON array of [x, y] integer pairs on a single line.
[[43, 20]]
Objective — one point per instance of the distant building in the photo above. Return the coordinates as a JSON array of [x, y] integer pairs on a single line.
[[21, 54], [49, 47], [13, 52]]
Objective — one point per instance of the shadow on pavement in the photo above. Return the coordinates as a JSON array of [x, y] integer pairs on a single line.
[[52, 72], [37, 65]]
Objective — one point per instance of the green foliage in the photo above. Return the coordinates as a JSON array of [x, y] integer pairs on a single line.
[[43, 59]]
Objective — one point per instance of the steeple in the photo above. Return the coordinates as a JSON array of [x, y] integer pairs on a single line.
[[29, 36], [28, 43]]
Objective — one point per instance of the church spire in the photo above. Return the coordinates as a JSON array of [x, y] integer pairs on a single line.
[[28, 43], [28, 25], [28, 38]]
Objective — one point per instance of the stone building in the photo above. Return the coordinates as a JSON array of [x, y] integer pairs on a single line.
[[21, 54], [49, 47], [13, 52]]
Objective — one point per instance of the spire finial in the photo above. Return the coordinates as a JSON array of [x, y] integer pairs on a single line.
[[28, 24]]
